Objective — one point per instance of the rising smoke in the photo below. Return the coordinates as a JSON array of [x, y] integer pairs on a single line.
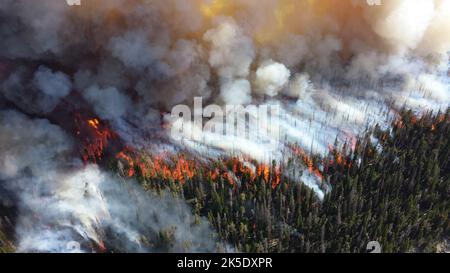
[[61, 201], [334, 67]]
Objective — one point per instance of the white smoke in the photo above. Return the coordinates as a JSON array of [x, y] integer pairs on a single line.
[[402, 24], [299, 86], [271, 77], [231, 55]]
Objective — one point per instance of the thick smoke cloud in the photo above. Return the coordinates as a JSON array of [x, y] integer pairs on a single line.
[[106, 99], [334, 67], [61, 201], [271, 78], [173, 47], [231, 55], [38, 92]]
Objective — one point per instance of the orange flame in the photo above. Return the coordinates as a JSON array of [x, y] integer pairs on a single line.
[[94, 123], [96, 136], [101, 246], [129, 160], [179, 168], [307, 161], [339, 157]]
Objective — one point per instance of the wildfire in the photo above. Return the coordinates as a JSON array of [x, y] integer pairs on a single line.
[[101, 247], [421, 121], [339, 158], [129, 160], [440, 120], [181, 169], [175, 168], [268, 174], [277, 177], [95, 137], [312, 169]]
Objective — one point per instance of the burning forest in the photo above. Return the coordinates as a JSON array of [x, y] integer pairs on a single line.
[[224, 126]]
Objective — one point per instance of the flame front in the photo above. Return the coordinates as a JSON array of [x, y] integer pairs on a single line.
[[95, 137]]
